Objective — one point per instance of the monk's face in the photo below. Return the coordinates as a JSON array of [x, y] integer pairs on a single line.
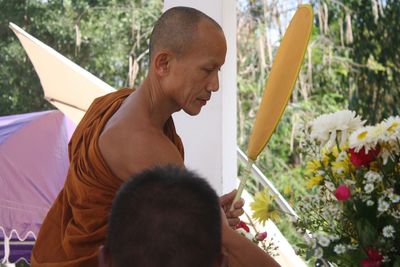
[[195, 74]]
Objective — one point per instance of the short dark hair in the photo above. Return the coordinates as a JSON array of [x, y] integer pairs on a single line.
[[165, 216], [176, 29]]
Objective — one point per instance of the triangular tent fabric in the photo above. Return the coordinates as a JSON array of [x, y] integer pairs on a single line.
[[33, 163], [66, 85]]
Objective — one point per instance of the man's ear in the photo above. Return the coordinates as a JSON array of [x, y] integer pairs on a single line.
[[162, 62], [104, 257]]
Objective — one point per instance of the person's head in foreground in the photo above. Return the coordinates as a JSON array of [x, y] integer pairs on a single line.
[[187, 49], [164, 217]]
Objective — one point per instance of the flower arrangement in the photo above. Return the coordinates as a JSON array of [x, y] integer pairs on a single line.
[[352, 214], [259, 238]]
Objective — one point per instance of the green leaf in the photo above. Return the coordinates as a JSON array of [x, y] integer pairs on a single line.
[[367, 233]]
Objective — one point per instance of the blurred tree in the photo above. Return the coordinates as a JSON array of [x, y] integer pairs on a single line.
[[375, 52], [109, 38]]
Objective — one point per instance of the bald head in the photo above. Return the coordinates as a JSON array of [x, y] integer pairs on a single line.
[[176, 29]]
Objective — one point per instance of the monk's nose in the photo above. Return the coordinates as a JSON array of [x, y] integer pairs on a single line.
[[213, 86]]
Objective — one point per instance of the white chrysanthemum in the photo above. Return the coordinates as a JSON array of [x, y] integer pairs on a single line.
[[326, 128], [339, 170], [318, 253], [388, 231], [394, 197], [369, 188], [349, 183], [383, 205], [342, 156], [339, 249], [392, 127], [334, 237], [386, 259], [370, 202], [378, 133], [385, 154], [349, 247], [396, 214], [373, 177], [389, 141], [323, 240], [331, 187], [362, 138]]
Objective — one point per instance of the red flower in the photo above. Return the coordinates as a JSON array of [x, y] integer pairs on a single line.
[[374, 258], [261, 236], [342, 193], [370, 263], [374, 254], [242, 225], [361, 158]]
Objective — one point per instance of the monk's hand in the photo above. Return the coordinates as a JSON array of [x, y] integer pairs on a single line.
[[226, 202]]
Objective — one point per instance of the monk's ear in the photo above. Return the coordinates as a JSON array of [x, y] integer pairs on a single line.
[[104, 257], [162, 62]]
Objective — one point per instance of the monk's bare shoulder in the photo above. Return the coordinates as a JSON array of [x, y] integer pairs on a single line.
[[129, 152]]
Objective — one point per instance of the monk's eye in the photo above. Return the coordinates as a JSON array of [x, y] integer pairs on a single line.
[[208, 70]]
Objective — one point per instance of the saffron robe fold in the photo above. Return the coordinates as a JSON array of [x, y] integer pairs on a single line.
[[76, 224]]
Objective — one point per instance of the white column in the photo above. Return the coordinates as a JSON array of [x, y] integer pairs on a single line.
[[210, 137]]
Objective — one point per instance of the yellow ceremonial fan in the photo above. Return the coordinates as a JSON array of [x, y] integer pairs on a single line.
[[279, 86]]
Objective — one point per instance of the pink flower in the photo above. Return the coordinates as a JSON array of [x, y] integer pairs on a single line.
[[374, 258], [342, 193], [261, 236], [361, 158], [242, 225]]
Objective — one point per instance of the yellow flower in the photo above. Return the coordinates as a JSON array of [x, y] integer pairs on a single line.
[[325, 160], [312, 167], [393, 127], [357, 190], [287, 190], [345, 147], [263, 208], [335, 151], [327, 154], [316, 180], [341, 167]]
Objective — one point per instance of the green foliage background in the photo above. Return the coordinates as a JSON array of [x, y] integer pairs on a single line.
[[353, 61], [98, 35]]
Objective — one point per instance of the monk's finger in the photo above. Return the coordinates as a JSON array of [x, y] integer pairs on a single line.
[[227, 198], [234, 213], [239, 204], [233, 222]]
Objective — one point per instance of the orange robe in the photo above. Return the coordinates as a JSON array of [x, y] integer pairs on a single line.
[[76, 224]]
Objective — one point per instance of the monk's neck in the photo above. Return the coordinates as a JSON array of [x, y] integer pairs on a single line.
[[156, 105]]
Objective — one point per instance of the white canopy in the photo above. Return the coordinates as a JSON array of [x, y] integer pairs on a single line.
[[66, 85]]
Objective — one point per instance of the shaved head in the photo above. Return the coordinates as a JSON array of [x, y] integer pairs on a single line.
[[176, 29]]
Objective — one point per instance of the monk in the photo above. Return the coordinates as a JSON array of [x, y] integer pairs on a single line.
[[128, 131]]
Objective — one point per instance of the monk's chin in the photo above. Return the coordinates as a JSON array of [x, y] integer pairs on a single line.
[[192, 112]]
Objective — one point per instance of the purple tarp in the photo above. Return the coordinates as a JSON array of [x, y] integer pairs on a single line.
[[33, 167]]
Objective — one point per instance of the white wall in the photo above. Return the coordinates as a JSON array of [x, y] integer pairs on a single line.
[[210, 137]]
